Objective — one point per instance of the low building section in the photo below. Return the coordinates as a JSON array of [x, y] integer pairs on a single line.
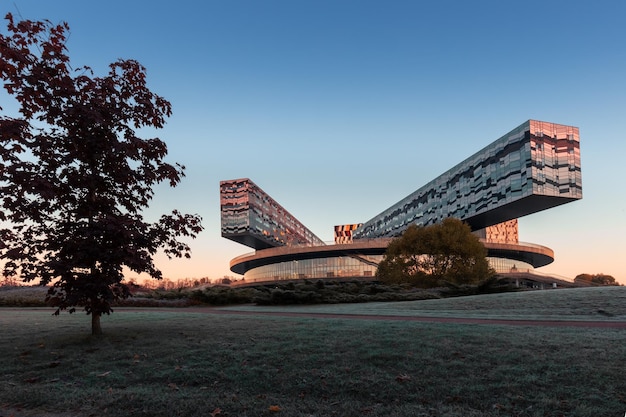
[[360, 260]]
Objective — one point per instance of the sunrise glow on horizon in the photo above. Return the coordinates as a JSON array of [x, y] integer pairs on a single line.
[[340, 109]]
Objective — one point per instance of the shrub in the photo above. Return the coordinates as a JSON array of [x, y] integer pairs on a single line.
[[223, 295]]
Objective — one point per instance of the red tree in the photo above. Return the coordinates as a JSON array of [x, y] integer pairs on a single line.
[[74, 175]]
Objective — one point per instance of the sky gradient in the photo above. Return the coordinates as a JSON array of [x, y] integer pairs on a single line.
[[339, 109]]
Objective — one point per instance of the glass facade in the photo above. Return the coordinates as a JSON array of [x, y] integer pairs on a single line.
[[348, 267], [320, 268], [503, 265], [533, 167], [251, 217]]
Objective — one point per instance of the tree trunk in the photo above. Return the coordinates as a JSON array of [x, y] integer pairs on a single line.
[[96, 330]]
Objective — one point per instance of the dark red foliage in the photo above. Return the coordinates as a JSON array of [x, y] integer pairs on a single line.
[[74, 175]]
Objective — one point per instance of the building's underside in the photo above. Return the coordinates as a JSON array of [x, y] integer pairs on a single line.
[[534, 167]]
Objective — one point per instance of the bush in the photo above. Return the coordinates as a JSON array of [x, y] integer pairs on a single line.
[[223, 295], [330, 292], [306, 292], [17, 296]]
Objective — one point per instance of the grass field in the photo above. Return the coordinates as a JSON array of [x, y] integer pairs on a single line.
[[600, 303], [179, 363]]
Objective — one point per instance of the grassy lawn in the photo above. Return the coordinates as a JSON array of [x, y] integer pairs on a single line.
[[177, 363], [599, 303]]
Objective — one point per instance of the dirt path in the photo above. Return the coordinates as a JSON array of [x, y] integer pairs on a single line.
[[422, 319]]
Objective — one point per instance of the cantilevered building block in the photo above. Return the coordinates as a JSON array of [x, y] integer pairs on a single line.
[[534, 167], [251, 217]]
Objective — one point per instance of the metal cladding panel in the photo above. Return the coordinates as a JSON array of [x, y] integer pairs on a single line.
[[251, 217], [533, 167], [343, 233], [506, 232]]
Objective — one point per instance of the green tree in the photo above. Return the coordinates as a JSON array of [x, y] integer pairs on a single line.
[[74, 175], [424, 256]]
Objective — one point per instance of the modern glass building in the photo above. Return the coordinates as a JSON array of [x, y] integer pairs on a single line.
[[534, 167], [253, 218]]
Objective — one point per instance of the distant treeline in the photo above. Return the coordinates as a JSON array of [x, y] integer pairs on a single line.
[[597, 279]]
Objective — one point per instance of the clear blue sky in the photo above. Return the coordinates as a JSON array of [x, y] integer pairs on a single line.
[[339, 109]]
